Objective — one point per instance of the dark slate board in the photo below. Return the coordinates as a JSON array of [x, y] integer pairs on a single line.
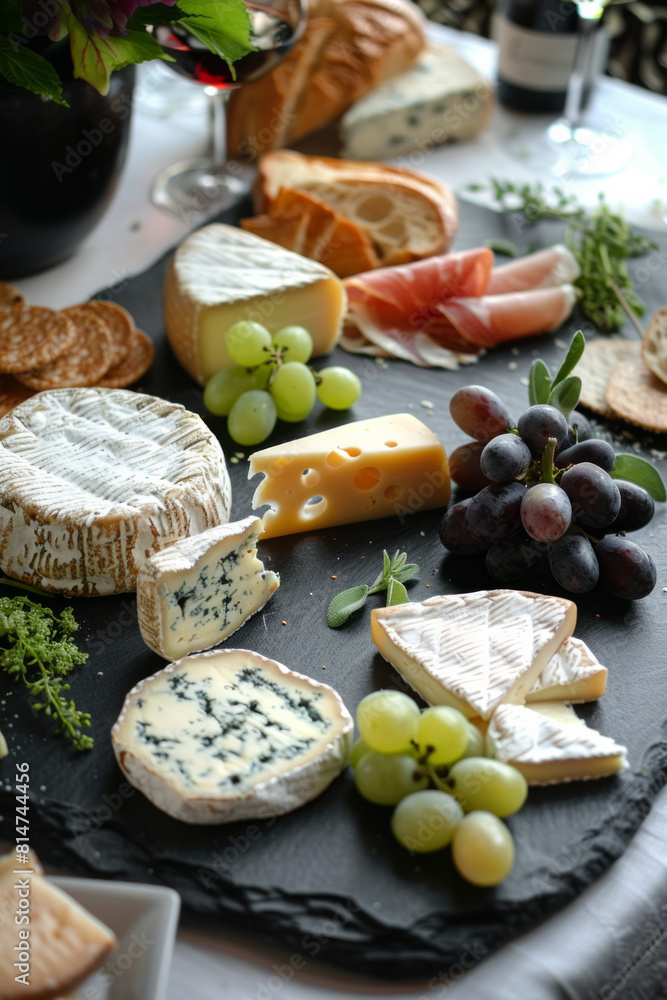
[[328, 879]]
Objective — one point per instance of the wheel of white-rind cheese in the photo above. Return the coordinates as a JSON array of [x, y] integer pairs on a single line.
[[95, 481]]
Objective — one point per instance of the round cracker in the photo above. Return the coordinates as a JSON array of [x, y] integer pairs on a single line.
[[82, 364], [596, 365], [12, 393], [136, 364], [118, 322], [32, 337], [654, 347], [635, 394], [10, 296]]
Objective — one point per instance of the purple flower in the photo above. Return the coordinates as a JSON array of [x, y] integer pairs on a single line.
[[99, 17]]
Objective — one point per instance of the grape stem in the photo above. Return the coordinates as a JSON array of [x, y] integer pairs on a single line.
[[548, 462]]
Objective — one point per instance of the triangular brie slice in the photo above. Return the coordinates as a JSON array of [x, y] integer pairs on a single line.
[[547, 750], [573, 673], [474, 651]]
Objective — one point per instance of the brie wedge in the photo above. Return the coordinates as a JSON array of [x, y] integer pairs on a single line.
[[474, 651], [229, 735], [572, 674]]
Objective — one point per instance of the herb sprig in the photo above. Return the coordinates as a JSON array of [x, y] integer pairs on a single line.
[[601, 241], [395, 573], [36, 648]]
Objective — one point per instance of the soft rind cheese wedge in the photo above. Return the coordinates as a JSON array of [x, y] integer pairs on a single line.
[[473, 651], [200, 590], [549, 751], [220, 275], [383, 467], [572, 674], [229, 735], [66, 943], [95, 481]]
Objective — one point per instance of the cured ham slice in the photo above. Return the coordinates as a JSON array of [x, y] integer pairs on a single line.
[[493, 319], [543, 269]]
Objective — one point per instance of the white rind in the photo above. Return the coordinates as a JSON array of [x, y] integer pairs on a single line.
[[473, 651], [95, 481], [163, 570], [278, 794], [527, 739], [573, 673]]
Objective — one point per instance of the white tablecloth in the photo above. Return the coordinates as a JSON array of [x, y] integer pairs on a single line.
[[611, 941]]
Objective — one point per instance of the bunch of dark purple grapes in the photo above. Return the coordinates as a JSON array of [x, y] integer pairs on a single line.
[[546, 493]]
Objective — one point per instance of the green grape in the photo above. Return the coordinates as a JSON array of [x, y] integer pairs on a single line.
[[296, 342], [339, 388], [476, 744], [446, 730], [224, 388], [359, 748], [292, 418], [482, 849], [293, 389], [388, 721], [385, 779], [262, 373], [491, 785], [247, 343], [426, 821], [252, 417]]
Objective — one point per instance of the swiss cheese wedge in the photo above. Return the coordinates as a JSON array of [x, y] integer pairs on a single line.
[[474, 651]]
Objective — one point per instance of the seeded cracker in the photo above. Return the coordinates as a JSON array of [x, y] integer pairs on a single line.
[[10, 296], [81, 365], [12, 393], [599, 359], [635, 394], [136, 364], [33, 336], [118, 322]]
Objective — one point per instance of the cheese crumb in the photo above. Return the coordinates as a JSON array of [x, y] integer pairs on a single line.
[[512, 366], [427, 404], [283, 622]]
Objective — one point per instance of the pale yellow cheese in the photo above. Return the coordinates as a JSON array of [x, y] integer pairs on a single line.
[[221, 274], [573, 673], [383, 467]]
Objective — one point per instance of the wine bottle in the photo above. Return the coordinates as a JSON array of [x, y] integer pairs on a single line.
[[536, 46]]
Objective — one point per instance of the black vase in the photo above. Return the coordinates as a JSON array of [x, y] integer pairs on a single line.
[[59, 168]]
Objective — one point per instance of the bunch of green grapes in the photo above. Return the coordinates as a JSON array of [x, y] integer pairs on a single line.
[[273, 380], [430, 766]]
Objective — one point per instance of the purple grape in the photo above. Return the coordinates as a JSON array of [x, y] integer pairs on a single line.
[[593, 494], [637, 508], [505, 458], [464, 467], [546, 512], [539, 423], [495, 512], [579, 428], [454, 533], [479, 412], [573, 564], [625, 569], [598, 452], [513, 558]]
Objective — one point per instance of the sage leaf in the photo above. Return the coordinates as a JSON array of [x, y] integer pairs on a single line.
[[638, 470], [396, 593], [345, 603], [407, 572], [565, 395], [574, 352], [539, 382]]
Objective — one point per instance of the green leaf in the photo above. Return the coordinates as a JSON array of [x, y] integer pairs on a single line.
[[539, 382], [574, 352], [223, 27], [24, 68], [95, 57], [137, 47], [638, 470], [345, 603], [156, 14], [396, 593], [566, 394], [408, 572]]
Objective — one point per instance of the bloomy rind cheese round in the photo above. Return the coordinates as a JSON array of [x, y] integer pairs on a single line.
[[94, 481], [211, 803]]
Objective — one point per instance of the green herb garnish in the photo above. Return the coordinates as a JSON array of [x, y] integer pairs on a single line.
[[36, 647], [395, 572], [601, 241]]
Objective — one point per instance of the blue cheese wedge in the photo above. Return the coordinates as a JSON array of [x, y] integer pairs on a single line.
[[573, 673], [230, 735], [474, 651], [198, 591], [549, 748], [439, 99]]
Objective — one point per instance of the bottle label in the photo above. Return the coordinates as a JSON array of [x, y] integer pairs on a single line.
[[537, 60]]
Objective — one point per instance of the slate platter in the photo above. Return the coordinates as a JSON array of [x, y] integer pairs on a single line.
[[328, 879]]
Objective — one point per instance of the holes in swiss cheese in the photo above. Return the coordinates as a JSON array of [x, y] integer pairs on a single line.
[[313, 507], [367, 478], [310, 477]]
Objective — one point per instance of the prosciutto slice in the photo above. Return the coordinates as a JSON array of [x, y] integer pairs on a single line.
[[493, 319], [543, 269]]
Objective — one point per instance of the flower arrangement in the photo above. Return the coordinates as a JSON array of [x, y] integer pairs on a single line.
[[42, 42]]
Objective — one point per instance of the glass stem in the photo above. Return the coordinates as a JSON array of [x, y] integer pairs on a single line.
[[589, 20], [217, 112]]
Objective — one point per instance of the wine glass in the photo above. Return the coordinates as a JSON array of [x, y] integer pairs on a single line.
[[209, 184]]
